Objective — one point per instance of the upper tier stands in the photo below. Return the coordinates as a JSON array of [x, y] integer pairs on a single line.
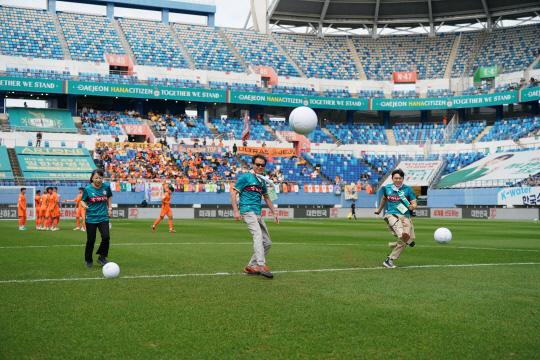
[[317, 136], [440, 93], [152, 44], [38, 74], [29, 33], [90, 36], [347, 167], [511, 48], [292, 90], [420, 53], [257, 131], [512, 129], [326, 58], [258, 49], [359, 133], [207, 48], [466, 132], [220, 85], [469, 41], [418, 134], [175, 83]]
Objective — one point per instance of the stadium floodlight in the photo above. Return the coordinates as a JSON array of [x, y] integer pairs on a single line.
[[9, 199]]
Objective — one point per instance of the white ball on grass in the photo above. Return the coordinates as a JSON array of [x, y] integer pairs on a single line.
[[111, 270], [443, 235]]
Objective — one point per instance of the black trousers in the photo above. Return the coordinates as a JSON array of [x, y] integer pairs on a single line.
[[91, 230]]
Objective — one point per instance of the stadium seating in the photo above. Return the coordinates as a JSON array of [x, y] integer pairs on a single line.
[[512, 129], [509, 48], [466, 132], [168, 82], [383, 163], [475, 90], [347, 167], [401, 94], [89, 37], [207, 48], [109, 78], [220, 85], [323, 58], [426, 56], [38, 73], [439, 93], [292, 90], [258, 49], [507, 87], [469, 41], [358, 133], [338, 93], [418, 134], [291, 172], [257, 131], [375, 94], [29, 33], [455, 162], [317, 136], [182, 130], [152, 44]]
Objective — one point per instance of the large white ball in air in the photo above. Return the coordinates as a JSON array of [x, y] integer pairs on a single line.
[[303, 120]]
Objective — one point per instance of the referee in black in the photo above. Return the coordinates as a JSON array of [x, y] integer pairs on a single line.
[[353, 211]]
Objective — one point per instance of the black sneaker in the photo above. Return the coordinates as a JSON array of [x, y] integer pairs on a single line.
[[89, 264], [411, 244], [102, 261], [388, 263]]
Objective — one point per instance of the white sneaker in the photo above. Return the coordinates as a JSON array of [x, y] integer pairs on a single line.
[[55, 229], [77, 228], [83, 229]]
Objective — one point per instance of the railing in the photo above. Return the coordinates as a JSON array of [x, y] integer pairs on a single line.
[[480, 184], [17, 128]]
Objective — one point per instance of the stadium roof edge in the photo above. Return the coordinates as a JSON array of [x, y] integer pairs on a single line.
[[197, 7]]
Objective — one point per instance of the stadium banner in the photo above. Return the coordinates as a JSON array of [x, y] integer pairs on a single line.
[[39, 151], [532, 94], [153, 213], [493, 169], [208, 149], [49, 120], [404, 77], [274, 152], [350, 192], [43, 175], [519, 196], [446, 213], [471, 213], [513, 214], [238, 97], [5, 164], [56, 164], [153, 191], [312, 213], [129, 145], [6, 175], [29, 84], [227, 212], [421, 213], [417, 173], [143, 91], [445, 103]]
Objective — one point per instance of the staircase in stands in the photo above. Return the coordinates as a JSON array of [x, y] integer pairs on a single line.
[[481, 135], [283, 52], [312, 168], [391, 138], [61, 37], [15, 167], [452, 58], [361, 73], [124, 41], [234, 51], [182, 48], [4, 122]]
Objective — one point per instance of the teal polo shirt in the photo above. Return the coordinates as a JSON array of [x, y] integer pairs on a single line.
[[394, 200], [251, 191]]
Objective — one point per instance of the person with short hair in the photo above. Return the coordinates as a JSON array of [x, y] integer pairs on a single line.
[[401, 201], [166, 209], [81, 213], [252, 187], [43, 205], [39, 136], [21, 207], [353, 211], [37, 201], [96, 201]]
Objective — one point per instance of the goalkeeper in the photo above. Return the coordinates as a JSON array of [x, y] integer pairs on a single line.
[[401, 201]]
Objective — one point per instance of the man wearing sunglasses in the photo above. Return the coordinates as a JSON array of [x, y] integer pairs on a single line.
[[252, 187]]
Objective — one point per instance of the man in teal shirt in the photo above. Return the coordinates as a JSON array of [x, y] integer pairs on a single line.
[[401, 201], [252, 188]]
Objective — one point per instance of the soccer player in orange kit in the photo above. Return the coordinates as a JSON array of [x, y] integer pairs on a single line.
[[22, 209], [166, 209], [44, 215], [37, 200], [81, 213]]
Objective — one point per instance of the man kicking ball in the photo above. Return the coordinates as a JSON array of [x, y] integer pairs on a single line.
[[252, 187], [401, 200], [165, 209]]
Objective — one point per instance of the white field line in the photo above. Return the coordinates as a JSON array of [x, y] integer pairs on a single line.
[[274, 243], [275, 272]]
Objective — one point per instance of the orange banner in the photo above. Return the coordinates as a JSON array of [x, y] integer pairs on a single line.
[[274, 152]]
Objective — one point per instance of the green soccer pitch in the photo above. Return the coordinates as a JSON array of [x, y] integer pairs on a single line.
[[183, 295]]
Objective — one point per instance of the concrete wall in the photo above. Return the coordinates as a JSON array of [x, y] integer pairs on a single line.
[[448, 198]]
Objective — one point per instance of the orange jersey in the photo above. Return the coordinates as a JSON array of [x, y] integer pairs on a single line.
[[44, 199], [22, 202], [37, 199], [78, 202], [165, 206], [52, 199]]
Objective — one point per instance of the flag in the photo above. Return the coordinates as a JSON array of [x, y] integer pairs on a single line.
[[246, 128]]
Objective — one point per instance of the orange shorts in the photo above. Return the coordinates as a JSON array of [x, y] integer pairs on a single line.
[[42, 212], [22, 213], [47, 213], [55, 213], [165, 212], [81, 213]]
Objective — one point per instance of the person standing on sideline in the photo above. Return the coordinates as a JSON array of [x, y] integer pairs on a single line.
[[96, 201], [252, 187], [22, 209], [401, 201], [353, 211], [37, 201], [165, 209], [80, 211]]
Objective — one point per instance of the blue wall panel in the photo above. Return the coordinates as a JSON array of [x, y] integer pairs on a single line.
[[451, 197]]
